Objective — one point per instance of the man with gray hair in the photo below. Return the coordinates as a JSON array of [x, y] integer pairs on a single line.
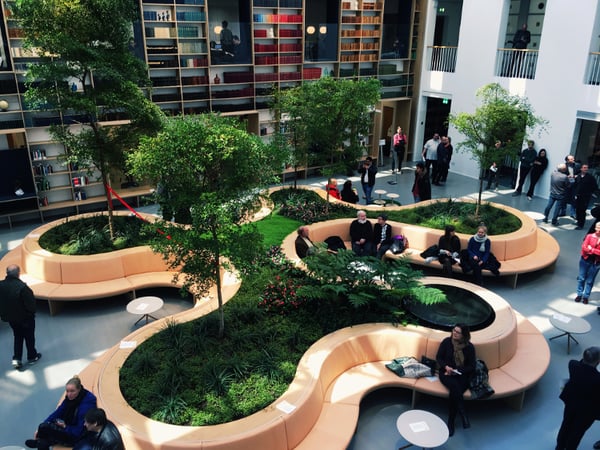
[[17, 307], [559, 187], [581, 396], [361, 235]]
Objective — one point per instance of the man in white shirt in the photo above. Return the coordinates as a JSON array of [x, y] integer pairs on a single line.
[[430, 154]]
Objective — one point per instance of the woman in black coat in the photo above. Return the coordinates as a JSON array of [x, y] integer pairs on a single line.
[[537, 169], [456, 360], [449, 245]]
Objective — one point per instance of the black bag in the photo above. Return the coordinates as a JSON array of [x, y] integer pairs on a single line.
[[398, 245], [492, 263], [479, 382], [432, 251], [431, 363], [335, 243]]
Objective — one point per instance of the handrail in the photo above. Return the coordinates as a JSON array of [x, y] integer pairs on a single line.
[[442, 58], [516, 63]]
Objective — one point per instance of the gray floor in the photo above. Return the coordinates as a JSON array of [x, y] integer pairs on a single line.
[[82, 331]]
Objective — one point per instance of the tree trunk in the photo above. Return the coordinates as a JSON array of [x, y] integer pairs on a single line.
[[111, 222], [481, 172]]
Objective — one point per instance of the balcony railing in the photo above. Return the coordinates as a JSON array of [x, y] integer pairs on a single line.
[[516, 63], [442, 58], [593, 70]]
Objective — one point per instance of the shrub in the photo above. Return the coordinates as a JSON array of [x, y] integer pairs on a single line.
[[281, 296]]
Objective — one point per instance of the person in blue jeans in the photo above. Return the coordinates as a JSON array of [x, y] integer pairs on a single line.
[[559, 187], [589, 264], [367, 172]]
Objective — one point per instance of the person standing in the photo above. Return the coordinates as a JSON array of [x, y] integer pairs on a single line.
[[559, 186], [399, 146], [520, 41], [382, 236], [581, 396], [421, 189], [589, 264], [226, 38], [367, 171], [430, 154], [526, 160], [585, 186], [493, 174], [539, 166], [361, 234], [101, 433], [456, 360], [444, 154], [17, 307], [573, 169]]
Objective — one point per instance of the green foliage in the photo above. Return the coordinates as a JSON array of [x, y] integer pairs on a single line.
[[500, 117], [460, 214], [91, 235], [320, 116], [307, 207], [88, 43]]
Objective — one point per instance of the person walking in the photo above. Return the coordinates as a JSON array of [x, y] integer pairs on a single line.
[[444, 154], [585, 186], [539, 166], [17, 307], [589, 264], [581, 396], [526, 160], [399, 147], [559, 186]]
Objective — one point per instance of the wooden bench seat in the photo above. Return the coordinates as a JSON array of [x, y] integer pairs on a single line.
[[528, 250], [59, 278]]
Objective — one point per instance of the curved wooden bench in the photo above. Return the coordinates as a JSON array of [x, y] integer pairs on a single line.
[[331, 379], [58, 278], [528, 249]]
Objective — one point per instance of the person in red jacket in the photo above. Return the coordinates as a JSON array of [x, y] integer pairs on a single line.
[[589, 264], [332, 189]]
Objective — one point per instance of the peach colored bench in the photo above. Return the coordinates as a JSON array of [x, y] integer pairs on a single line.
[[526, 250], [59, 278], [321, 406]]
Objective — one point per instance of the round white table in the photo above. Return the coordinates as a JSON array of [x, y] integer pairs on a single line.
[[392, 196], [145, 306], [422, 428], [569, 325]]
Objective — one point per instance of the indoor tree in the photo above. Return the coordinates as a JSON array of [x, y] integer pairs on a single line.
[[324, 119], [500, 117], [88, 72], [210, 171]]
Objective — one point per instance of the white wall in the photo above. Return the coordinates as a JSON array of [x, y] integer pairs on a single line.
[[558, 91]]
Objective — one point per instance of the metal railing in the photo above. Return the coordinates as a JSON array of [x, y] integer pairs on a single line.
[[516, 63], [593, 69], [442, 58]]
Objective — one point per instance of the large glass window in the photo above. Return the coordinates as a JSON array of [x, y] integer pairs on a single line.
[[321, 30], [229, 32], [395, 42]]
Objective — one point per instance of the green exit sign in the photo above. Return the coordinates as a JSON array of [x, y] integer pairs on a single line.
[[441, 10], [445, 101]]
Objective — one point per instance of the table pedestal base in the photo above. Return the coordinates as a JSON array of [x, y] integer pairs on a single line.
[[569, 338]]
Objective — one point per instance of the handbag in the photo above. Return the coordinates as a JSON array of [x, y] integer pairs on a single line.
[[431, 363]]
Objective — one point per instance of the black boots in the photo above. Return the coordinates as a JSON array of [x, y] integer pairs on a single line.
[[452, 416], [451, 426]]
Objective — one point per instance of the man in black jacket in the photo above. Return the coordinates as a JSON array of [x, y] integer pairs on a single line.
[[581, 396], [101, 433], [361, 234], [585, 186], [17, 307]]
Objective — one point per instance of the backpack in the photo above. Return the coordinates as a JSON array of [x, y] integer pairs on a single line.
[[398, 245], [335, 243]]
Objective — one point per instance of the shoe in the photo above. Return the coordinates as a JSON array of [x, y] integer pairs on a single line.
[[496, 272], [31, 443], [555, 223], [34, 360], [495, 189], [17, 364], [585, 300], [597, 445], [545, 220], [450, 428], [573, 217], [529, 198], [578, 299]]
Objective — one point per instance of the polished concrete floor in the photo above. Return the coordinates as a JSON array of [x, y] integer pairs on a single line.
[[83, 330]]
